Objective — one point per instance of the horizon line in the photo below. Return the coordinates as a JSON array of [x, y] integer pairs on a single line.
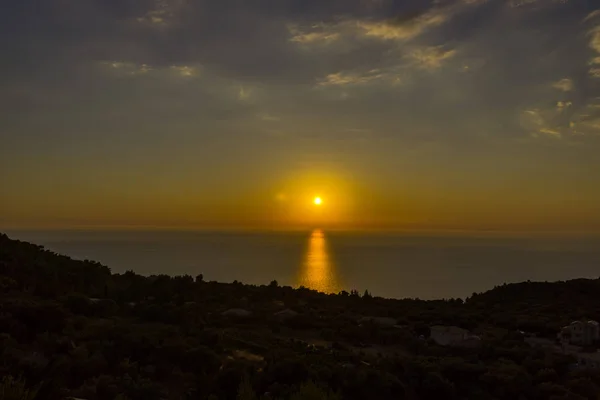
[[220, 228]]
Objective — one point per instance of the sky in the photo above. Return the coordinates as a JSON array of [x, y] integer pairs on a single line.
[[413, 114]]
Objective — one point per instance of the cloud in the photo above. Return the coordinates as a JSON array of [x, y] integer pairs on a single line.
[[400, 28], [252, 53], [391, 76], [407, 26], [431, 57], [532, 119], [562, 105], [325, 34], [163, 13], [268, 117], [156, 17], [595, 39], [521, 3], [403, 29], [342, 78], [550, 132], [315, 37], [244, 94], [543, 123], [124, 68], [566, 85], [592, 15], [184, 70], [322, 34], [593, 123], [565, 120], [595, 45]]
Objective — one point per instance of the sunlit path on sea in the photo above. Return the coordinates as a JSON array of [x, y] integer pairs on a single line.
[[317, 270]]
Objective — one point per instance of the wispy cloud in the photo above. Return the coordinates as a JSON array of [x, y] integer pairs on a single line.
[[593, 123], [592, 15], [540, 123], [155, 17], [595, 45], [268, 117], [565, 120], [163, 13], [125, 68], [550, 132], [184, 70], [431, 57], [244, 94], [562, 105], [565, 84], [343, 78], [403, 30], [595, 39], [391, 76], [531, 119], [521, 3], [322, 34]]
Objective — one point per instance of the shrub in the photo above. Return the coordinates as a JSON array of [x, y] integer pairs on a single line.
[[16, 389], [310, 391]]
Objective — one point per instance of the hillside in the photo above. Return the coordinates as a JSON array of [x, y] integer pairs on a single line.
[[72, 329]]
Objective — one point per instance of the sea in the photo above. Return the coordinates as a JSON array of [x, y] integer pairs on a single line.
[[393, 265]]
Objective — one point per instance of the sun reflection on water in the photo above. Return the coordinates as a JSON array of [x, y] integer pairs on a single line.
[[317, 271]]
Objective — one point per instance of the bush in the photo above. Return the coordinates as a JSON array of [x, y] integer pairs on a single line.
[[16, 389], [78, 304], [310, 391]]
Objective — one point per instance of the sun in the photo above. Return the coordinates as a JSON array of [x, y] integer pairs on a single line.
[[317, 201]]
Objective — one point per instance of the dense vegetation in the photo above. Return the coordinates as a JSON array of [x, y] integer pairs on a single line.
[[72, 329]]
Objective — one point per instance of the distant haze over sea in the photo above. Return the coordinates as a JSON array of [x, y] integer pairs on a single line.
[[396, 265]]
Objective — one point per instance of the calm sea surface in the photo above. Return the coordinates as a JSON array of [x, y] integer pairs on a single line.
[[390, 265]]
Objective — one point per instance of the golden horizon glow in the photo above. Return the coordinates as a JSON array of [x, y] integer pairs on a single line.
[[348, 201]]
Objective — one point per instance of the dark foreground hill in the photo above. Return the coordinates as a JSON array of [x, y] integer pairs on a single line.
[[72, 329]]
